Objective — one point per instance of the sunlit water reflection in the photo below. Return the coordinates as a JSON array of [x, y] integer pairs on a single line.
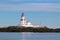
[[29, 36]]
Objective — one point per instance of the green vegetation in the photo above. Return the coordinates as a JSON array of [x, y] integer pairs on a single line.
[[28, 29]]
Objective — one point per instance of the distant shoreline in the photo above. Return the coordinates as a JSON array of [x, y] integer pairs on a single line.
[[29, 29]]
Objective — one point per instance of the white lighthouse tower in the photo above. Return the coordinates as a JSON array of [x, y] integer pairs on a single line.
[[24, 22]]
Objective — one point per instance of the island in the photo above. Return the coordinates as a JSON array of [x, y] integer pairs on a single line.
[[28, 29]]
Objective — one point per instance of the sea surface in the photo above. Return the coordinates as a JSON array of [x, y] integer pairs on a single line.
[[29, 36]]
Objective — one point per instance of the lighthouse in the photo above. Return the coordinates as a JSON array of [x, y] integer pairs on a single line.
[[25, 22], [22, 19]]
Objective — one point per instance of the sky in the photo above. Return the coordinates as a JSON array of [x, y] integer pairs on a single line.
[[42, 12]]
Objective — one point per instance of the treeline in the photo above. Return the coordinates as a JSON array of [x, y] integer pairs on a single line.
[[28, 29]]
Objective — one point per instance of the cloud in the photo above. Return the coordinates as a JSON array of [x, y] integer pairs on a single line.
[[45, 7], [41, 7], [35, 0], [28, 1]]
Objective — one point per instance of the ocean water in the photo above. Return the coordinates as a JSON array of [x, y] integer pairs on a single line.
[[29, 36]]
